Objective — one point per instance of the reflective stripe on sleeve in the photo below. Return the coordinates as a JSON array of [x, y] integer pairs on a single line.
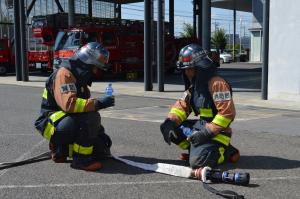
[[184, 144], [80, 105], [57, 115], [181, 114], [222, 139], [221, 121], [45, 94], [206, 112], [82, 150]]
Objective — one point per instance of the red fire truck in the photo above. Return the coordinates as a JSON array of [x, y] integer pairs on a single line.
[[40, 56], [123, 38], [7, 60]]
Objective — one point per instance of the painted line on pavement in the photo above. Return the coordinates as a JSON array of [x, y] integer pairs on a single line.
[[24, 155], [128, 183]]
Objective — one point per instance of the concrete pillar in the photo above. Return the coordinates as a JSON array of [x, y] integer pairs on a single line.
[[17, 40], [265, 66], [90, 8], [147, 46], [71, 14], [160, 45], [171, 17], [199, 19], [23, 47], [194, 18], [234, 33], [206, 21]]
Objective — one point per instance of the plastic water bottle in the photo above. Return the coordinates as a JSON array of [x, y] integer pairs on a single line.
[[186, 131], [109, 90]]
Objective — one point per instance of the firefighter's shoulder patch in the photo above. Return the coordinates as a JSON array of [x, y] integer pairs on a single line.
[[65, 88], [221, 96]]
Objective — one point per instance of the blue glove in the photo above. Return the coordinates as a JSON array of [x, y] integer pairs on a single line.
[[104, 102], [186, 131]]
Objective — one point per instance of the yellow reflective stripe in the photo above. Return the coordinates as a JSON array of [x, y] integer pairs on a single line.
[[57, 115], [82, 150], [49, 130], [222, 139], [206, 112], [221, 121], [181, 114], [221, 158], [80, 105], [184, 144], [71, 150], [45, 94]]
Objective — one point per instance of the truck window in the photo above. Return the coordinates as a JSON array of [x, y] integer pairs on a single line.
[[60, 40], [108, 39], [89, 37], [3, 45], [72, 41]]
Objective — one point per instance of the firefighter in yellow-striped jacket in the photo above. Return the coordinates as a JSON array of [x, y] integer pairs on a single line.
[[69, 117], [208, 96]]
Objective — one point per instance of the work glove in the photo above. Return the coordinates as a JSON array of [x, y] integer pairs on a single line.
[[167, 129], [104, 102], [200, 136]]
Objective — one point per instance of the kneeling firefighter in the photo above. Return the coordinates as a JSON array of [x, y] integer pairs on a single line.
[[208, 96], [69, 117]]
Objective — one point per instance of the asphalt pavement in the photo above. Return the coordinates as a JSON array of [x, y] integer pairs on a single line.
[[268, 138]]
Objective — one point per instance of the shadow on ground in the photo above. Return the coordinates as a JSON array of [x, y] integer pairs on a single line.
[[263, 163]]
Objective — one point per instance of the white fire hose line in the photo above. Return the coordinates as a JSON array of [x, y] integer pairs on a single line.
[[169, 169]]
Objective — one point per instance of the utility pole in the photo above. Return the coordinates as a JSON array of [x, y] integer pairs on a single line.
[[229, 34], [240, 35]]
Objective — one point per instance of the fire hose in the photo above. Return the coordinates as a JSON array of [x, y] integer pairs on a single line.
[[205, 175]]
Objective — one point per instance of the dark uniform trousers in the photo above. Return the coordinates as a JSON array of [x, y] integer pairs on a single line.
[[209, 154], [81, 135]]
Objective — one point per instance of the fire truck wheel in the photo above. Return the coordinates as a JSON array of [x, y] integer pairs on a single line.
[[3, 70]]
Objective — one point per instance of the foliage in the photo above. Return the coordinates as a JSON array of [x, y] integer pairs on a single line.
[[187, 31], [218, 39]]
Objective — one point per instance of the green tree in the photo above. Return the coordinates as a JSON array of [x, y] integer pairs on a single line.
[[187, 31], [218, 39]]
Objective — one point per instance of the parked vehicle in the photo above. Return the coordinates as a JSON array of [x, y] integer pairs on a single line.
[[7, 60], [225, 57]]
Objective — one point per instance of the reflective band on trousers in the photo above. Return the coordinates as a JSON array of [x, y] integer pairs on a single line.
[[45, 94], [181, 114], [82, 150], [221, 121], [71, 150], [222, 139], [221, 158], [80, 105], [184, 144], [206, 112], [49, 130]]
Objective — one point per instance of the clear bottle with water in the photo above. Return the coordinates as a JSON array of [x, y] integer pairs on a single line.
[[109, 90]]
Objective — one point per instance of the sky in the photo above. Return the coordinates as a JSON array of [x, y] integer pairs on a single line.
[[221, 18]]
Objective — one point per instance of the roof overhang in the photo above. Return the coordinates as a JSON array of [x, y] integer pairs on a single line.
[[239, 5]]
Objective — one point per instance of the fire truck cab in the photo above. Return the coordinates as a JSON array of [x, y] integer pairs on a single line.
[[125, 47]]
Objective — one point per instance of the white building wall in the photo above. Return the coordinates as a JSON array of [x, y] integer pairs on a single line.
[[284, 50]]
